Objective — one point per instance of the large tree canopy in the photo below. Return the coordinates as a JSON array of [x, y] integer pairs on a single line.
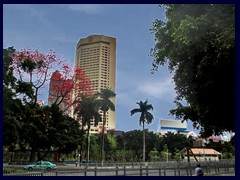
[[197, 41], [27, 124]]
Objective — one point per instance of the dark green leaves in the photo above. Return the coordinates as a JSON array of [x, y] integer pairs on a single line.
[[197, 41]]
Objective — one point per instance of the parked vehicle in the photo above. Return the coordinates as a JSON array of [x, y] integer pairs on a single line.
[[41, 165]]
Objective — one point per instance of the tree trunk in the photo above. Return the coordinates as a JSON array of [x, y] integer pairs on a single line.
[[39, 156], [143, 143], [81, 154], [32, 155], [45, 154], [88, 143], [104, 121]]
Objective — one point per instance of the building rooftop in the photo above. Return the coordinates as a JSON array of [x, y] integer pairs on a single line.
[[201, 151]]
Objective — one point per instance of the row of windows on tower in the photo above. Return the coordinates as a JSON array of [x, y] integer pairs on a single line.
[[91, 50], [89, 61]]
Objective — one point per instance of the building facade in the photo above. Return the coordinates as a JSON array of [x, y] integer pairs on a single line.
[[174, 126], [200, 154], [96, 54]]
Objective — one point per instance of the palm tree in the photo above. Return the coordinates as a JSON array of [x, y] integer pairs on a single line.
[[88, 109], [145, 117], [105, 105]]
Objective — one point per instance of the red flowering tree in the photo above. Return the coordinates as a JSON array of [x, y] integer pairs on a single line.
[[65, 91], [35, 69], [45, 127]]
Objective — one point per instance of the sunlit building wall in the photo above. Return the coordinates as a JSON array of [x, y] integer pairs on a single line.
[[96, 54]]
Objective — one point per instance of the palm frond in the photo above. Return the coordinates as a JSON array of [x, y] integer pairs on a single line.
[[135, 111], [145, 116]]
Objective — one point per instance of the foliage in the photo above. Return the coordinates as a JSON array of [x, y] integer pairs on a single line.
[[63, 86], [94, 148], [145, 116], [111, 147], [154, 155], [132, 141], [198, 43], [105, 99], [125, 155], [227, 155], [164, 153], [175, 142], [28, 125], [12, 106], [226, 148], [177, 155], [8, 78], [64, 132], [88, 111]]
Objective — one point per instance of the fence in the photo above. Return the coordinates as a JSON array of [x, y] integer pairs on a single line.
[[150, 169]]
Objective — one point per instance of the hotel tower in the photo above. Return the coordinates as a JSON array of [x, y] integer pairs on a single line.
[[96, 54]]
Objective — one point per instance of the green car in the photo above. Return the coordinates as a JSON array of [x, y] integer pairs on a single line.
[[41, 165]]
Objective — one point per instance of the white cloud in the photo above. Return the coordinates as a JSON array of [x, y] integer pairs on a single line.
[[158, 89], [86, 8]]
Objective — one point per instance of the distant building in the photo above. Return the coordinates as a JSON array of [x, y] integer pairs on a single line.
[[201, 154], [96, 54], [115, 132], [174, 126]]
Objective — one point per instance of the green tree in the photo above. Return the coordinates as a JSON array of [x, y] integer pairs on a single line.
[[13, 107], [175, 142], [87, 110], [48, 129], [164, 153], [26, 123], [145, 117], [197, 41], [129, 144], [94, 148], [226, 148], [63, 132], [132, 140], [177, 154], [111, 147], [154, 155], [105, 104]]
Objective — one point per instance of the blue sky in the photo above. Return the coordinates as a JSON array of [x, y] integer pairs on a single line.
[[59, 27]]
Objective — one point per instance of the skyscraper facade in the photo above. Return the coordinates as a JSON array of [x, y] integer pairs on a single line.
[[96, 54]]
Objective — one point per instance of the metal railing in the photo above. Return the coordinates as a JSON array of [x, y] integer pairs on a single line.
[[137, 169]]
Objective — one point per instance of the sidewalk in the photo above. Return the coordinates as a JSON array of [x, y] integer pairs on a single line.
[[232, 173]]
